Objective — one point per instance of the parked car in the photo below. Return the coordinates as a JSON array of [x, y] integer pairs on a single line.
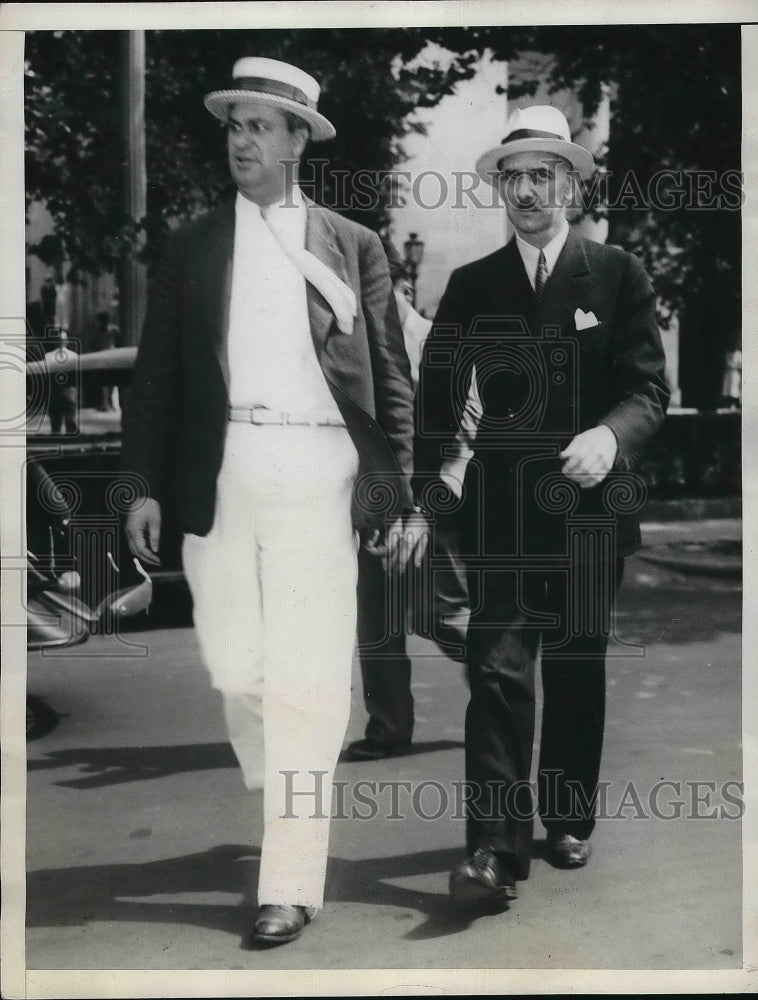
[[56, 616], [85, 468]]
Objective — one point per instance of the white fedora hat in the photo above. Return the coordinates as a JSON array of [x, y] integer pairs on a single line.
[[276, 83], [538, 129]]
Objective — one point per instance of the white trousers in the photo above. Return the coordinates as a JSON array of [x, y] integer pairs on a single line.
[[274, 591]]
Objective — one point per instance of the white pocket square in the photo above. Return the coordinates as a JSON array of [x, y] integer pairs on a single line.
[[583, 320]]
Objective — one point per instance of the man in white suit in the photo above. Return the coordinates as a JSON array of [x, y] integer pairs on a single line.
[[271, 391]]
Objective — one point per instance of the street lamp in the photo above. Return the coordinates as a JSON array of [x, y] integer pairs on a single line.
[[414, 254]]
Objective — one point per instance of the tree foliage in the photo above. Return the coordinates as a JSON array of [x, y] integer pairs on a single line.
[[675, 105], [73, 159]]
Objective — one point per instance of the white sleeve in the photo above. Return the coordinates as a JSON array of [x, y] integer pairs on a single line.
[[453, 469], [415, 331]]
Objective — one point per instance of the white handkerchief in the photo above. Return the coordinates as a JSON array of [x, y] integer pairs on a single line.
[[583, 320], [340, 296]]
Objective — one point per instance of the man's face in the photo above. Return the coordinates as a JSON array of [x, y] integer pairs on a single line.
[[402, 286], [536, 188], [259, 142]]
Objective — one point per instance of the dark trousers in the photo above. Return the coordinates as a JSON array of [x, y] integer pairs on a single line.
[[385, 667], [568, 615], [382, 610], [62, 408]]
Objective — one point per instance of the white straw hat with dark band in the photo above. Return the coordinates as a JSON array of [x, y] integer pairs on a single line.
[[538, 129], [278, 84]]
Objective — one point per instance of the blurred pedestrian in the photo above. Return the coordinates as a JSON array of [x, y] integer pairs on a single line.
[[731, 384], [35, 325], [63, 391], [49, 299], [104, 339]]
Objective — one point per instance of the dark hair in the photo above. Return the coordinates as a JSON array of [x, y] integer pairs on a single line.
[[398, 269], [295, 123]]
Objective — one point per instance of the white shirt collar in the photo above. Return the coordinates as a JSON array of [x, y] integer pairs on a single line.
[[286, 212], [530, 255]]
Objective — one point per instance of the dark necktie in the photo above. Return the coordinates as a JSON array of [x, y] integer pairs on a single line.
[[541, 277]]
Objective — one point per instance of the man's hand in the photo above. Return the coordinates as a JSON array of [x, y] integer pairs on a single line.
[[402, 541], [590, 456], [143, 530]]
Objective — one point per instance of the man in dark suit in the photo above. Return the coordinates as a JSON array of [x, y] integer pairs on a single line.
[[272, 403], [560, 334]]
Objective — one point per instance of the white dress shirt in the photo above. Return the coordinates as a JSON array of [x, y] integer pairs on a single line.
[[272, 358], [530, 255]]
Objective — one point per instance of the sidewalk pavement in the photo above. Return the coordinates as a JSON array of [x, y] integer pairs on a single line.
[[143, 846]]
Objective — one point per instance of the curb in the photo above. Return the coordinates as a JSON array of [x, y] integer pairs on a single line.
[[729, 568], [692, 509]]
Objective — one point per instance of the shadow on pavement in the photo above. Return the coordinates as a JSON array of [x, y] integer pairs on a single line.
[[132, 892], [76, 896], [41, 719], [368, 882], [116, 765], [430, 746]]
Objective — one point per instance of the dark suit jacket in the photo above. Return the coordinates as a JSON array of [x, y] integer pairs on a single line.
[[542, 381], [176, 416]]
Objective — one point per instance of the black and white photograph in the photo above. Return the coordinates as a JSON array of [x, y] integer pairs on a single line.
[[373, 554]]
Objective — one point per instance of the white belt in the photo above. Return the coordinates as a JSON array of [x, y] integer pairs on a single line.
[[262, 415]]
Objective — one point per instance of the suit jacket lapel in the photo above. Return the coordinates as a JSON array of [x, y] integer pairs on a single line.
[[321, 241], [567, 287], [516, 285], [216, 250]]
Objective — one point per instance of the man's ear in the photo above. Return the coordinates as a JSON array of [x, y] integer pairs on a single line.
[[571, 190], [302, 135]]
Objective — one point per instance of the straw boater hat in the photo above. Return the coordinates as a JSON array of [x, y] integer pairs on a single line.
[[538, 129], [276, 83]]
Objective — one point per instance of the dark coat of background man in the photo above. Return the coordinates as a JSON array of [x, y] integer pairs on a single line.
[[561, 334], [271, 391]]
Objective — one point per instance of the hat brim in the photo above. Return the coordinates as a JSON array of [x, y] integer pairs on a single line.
[[488, 164], [218, 104]]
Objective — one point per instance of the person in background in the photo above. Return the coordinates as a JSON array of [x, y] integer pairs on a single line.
[[63, 390], [104, 339], [385, 665], [35, 325], [48, 296]]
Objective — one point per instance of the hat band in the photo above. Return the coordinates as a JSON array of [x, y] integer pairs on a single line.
[[263, 85], [532, 133]]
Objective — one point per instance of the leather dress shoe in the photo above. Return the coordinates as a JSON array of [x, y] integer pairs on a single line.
[[369, 749], [482, 878], [567, 851], [277, 924]]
